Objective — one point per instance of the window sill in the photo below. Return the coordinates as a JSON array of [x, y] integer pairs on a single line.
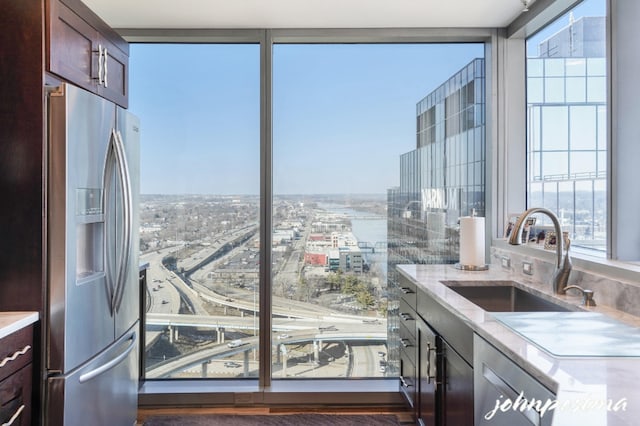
[[239, 392]]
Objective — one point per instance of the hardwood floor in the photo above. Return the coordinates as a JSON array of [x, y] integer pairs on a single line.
[[404, 417]]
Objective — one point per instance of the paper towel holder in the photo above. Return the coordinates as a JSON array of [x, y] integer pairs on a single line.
[[471, 267]]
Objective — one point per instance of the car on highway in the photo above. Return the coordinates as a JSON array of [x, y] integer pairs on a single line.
[[235, 343], [283, 336], [232, 364]]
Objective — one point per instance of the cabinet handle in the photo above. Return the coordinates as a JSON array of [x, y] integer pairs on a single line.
[[429, 376], [404, 383], [15, 416], [406, 317], [100, 63], [405, 343], [406, 290], [105, 67], [15, 355]]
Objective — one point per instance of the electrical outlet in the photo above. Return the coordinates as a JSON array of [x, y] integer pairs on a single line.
[[527, 268], [506, 262]]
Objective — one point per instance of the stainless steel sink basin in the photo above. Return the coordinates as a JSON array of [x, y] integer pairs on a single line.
[[503, 296]]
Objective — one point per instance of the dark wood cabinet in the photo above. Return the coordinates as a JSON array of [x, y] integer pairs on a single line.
[[455, 399], [457, 386], [429, 375], [16, 377], [41, 41], [85, 52], [407, 333], [436, 360]]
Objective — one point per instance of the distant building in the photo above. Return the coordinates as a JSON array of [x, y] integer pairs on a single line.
[[567, 122], [443, 178], [316, 259], [583, 38]]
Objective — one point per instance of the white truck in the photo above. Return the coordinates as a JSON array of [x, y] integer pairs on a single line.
[[235, 343]]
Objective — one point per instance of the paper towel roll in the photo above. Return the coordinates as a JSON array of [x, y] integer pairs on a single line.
[[472, 241]]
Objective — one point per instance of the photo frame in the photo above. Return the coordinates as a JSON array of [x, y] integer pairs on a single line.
[[512, 218], [510, 225], [550, 240]]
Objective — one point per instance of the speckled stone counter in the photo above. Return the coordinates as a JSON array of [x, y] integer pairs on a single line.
[[11, 322], [602, 391]]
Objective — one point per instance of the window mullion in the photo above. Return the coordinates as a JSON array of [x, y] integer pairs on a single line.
[[266, 204]]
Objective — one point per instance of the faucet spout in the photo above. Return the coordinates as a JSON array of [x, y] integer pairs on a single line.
[[561, 275]]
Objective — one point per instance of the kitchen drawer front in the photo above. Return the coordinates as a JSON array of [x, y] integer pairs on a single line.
[[407, 291], [15, 398], [408, 379], [407, 316], [408, 342], [15, 351]]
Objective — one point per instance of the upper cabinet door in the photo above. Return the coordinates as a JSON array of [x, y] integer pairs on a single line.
[[114, 84], [86, 52], [72, 47]]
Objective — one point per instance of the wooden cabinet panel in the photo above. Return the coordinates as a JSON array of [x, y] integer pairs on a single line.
[[408, 379], [86, 52], [16, 356], [428, 375], [116, 82], [15, 351], [457, 382], [71, 47], [15, 398]]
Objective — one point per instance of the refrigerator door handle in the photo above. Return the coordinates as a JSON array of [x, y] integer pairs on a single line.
[[112, 363], [125, 178], [116, 280], [107, 176]]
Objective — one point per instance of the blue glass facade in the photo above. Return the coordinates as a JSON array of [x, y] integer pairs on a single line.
[[567, 129], [441, 180]]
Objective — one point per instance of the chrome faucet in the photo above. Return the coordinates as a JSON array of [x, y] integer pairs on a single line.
[[563, 269]]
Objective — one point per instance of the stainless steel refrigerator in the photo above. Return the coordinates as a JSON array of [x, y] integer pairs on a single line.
[[93, 310]]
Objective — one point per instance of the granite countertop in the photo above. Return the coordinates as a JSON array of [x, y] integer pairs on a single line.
[[10, 322], [600, 391]]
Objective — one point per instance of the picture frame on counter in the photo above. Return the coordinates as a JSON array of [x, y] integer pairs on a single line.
[[550, 239], [512, 218]]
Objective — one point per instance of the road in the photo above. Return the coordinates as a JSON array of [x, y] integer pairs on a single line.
[[302, 322]]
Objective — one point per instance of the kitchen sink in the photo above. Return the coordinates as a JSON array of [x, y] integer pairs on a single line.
[[503, 296]]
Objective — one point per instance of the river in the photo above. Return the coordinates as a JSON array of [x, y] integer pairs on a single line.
[[368, 228]]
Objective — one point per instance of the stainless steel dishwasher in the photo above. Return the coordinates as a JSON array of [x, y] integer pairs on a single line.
[[505, 394]]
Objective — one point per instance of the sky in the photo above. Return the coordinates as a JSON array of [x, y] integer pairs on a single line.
[[342, 114]]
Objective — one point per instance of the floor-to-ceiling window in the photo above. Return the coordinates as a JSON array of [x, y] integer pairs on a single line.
[[345, 116], [567, 123], [347, 119], [200, 197]]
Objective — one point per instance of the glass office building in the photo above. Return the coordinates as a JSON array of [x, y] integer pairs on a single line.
[[567, 129], [441, 180]]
